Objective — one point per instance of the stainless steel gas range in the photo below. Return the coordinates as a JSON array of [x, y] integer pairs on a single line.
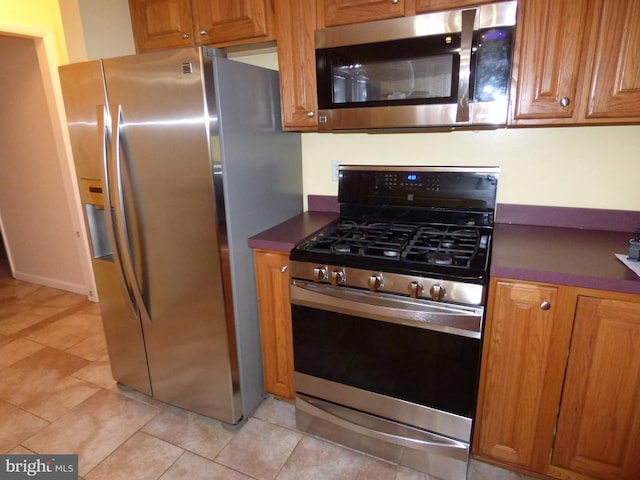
[[387, 310]]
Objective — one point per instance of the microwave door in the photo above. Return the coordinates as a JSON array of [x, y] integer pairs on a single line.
[[437, 70]]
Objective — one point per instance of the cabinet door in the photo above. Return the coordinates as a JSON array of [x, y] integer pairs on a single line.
[[342, 12], [159, 24], [549, 53], [524, 356], [274, 308], [615, 82], [232, 21], [423, 6], [599, 422], [295, 24]]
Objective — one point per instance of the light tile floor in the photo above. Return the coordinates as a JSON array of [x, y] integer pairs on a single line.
[[57, 396]]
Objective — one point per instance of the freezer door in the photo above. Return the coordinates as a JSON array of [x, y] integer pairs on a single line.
[[161, 182], [83, 91]]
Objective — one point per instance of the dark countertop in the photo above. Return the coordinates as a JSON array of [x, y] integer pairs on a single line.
[[564, 256], [528, 243], [286, 235]]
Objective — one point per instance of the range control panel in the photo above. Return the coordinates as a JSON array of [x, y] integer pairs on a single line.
[[442, 187]]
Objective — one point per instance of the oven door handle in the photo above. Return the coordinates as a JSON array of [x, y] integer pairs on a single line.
[[447, 318], [419, 440]]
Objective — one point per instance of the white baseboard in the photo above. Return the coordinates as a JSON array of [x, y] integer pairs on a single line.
[[53, 283]]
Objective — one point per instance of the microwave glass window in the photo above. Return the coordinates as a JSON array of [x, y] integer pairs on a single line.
[[410, 71], [416, 78]]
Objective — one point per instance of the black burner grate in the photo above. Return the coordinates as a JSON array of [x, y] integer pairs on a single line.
[[436, 245], [443, 246]]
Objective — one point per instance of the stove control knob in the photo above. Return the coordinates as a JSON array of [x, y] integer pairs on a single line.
[[437, 292], [415, 289], [375, 282], [337, 276], [319, 274]]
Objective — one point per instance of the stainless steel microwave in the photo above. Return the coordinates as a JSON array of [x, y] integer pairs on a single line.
[[446, 69]]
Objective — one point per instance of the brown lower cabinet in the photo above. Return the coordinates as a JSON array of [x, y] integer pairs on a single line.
[[274, 308], [560, 381]]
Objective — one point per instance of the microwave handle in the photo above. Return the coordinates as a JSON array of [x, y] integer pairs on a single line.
[[464, 73]]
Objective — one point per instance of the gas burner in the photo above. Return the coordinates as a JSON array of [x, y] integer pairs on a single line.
[[342, 248], [464, 233], [439, 258], [430, 231], [357, 235], [378, 225], [346, 225]]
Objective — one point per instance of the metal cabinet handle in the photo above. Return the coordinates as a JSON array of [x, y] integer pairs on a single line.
[[545, 305], [283, 268], [311, 114], [394, 1], [565, 101], [185, 35], [203, 31]]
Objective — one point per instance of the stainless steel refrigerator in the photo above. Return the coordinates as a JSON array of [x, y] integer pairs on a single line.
[[180, 158]]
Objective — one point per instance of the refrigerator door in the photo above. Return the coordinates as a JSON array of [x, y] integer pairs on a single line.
[[84, 91], [161, 184]]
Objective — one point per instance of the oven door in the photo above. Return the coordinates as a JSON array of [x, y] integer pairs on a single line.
[[390, 375], [418, 352]]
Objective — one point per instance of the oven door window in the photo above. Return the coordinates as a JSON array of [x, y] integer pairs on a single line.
[[426, 367], [397, 72]]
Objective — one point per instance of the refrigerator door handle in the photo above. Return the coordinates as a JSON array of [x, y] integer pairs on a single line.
[[105, 152], [119, 220]]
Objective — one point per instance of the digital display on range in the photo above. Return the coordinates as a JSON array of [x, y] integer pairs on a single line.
[[412, 177]]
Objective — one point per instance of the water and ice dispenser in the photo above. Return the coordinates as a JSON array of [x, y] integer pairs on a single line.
[[93, 201]]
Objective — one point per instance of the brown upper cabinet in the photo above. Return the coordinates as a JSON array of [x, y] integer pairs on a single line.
[[577, 62], [422, 6], [295, 23], [161, 24], [344, 12]]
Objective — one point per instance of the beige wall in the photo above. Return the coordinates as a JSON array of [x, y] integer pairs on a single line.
[[586, 167], [40, 215], [37, 224], [35, 18], [96, 29], [74, 35], [107, 28]]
